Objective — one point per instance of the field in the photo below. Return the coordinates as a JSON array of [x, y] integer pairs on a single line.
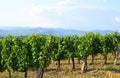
[[97, 70]]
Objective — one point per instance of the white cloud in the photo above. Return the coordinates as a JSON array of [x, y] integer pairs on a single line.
[[102, 1], [34, 15], [117, 19], [59, 8], [43, 16], [65, 2]]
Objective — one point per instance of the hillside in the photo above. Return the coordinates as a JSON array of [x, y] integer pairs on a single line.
[[54, 31]]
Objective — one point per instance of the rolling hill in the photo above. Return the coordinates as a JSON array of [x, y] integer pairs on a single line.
[[54, 31]]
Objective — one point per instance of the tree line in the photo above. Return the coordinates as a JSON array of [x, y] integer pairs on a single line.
[[37, 51]]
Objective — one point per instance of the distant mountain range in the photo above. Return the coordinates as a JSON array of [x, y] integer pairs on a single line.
[[54, 31]]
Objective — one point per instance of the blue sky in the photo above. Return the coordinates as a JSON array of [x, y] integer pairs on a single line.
[[68, 14]]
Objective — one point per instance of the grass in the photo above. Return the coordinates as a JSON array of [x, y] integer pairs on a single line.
[[97, 70]]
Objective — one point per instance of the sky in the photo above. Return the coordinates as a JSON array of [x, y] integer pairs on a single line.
[[67, 14]]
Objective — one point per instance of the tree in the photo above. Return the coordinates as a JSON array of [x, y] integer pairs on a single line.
[[7, 53], [21, 55], [67, 38], [16, 51], [116, 41], [96, 45], [34, 46], [107, 46], [41, 53], [1, 65], [59, 51], [84, 49], [72, 43], [25, 60]]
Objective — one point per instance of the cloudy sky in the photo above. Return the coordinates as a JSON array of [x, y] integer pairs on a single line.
[[68, 14]]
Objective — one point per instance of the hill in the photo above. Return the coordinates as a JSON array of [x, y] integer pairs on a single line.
[[54, 31]]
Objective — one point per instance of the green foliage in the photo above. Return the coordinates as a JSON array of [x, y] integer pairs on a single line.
[[34, 49], [59, 49], [20, 53], [6, 53], [72, 43], [116, 40], [84, 47], [1, 64], [45, 51], [107, 44], [25, 55], [96, 43], [16, 50], [38, 48]]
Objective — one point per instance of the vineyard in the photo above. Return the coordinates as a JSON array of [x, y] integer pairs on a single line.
[[44, 53]]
